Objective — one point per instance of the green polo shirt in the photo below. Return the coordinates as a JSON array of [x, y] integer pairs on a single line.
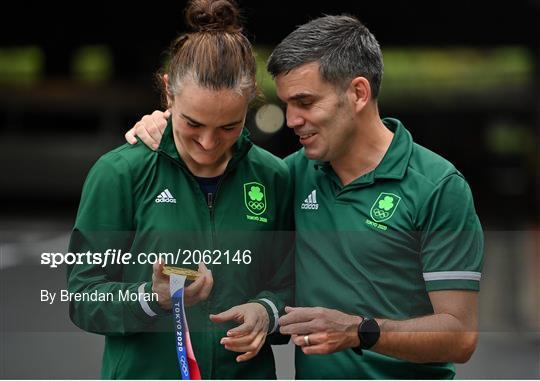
[[378, 245]]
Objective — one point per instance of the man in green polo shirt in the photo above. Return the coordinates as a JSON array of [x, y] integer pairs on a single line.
[[389, 247]]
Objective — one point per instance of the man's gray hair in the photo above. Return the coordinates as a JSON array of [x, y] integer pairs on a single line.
[[342, 45]]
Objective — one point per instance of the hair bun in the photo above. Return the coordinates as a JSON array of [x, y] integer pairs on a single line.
[[213, 15]]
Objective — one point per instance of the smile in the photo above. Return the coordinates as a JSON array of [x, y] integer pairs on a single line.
[[306, 138]]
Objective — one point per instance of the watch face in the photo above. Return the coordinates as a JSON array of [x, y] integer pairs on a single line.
[[369, 333]]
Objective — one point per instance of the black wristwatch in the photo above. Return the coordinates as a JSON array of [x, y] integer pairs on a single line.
[[368, 333]]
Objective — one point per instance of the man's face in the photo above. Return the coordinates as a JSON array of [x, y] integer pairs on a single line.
[[207, 123], [320, 114]]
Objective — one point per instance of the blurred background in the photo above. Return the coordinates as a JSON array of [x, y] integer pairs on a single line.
[[463, 76]]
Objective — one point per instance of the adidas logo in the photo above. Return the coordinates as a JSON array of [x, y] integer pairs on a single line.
[[311, 201], [165, 196]]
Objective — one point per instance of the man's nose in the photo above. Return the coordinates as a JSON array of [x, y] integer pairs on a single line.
[[294, 119]]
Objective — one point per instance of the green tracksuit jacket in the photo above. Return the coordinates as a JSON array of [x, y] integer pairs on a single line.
[[140, 201]]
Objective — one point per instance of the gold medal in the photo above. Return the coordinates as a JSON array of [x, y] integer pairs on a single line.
[[188, 273]]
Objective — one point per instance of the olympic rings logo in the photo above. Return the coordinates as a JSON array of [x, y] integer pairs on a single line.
[[380, 214], [256, 205]]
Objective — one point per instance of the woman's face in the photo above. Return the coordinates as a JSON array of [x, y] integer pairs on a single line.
[[206, 124]]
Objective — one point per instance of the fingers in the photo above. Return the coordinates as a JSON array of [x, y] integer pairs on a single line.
[[299, 328], [246, 337], [252, 349], [206, 289], [208, 283], [130, 136], [157, 268], [300, 340], [150, 128], [155, 124], [255, 318], [301, 320], [246, 356], [289, 309], [194, 287], [198, 290], [319, 343], [160, 285], [242, 343], [143, 134], [245, 328], [316, 349], [314, 339], [298, 314], [250, 344], [249, 336], [202, 268], [230, 314]]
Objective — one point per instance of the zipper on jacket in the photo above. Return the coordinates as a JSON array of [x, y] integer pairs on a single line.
[[212, 197], [212, 202], [209, 200]]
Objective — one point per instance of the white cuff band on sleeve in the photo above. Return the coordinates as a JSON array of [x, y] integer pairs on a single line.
[[144, 304], [275, 312], [452, 275]]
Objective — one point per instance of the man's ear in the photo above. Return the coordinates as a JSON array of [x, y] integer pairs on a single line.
[[360, 92]]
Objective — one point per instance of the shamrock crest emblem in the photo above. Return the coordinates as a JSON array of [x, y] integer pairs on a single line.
[[386, 203], [255, 193], [255, 198], [384, 206]]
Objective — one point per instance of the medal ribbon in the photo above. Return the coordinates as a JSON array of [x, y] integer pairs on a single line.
[[189, 369]]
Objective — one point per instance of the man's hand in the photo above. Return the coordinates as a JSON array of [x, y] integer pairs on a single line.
[[194, 293], [320, 330], [250, 335], [149, 129]]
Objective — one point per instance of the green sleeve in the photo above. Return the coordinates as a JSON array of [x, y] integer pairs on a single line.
[[452, 242], [105, 221], [279, 291]]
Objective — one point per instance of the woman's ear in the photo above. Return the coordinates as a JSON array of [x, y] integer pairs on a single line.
[[167, 92]]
